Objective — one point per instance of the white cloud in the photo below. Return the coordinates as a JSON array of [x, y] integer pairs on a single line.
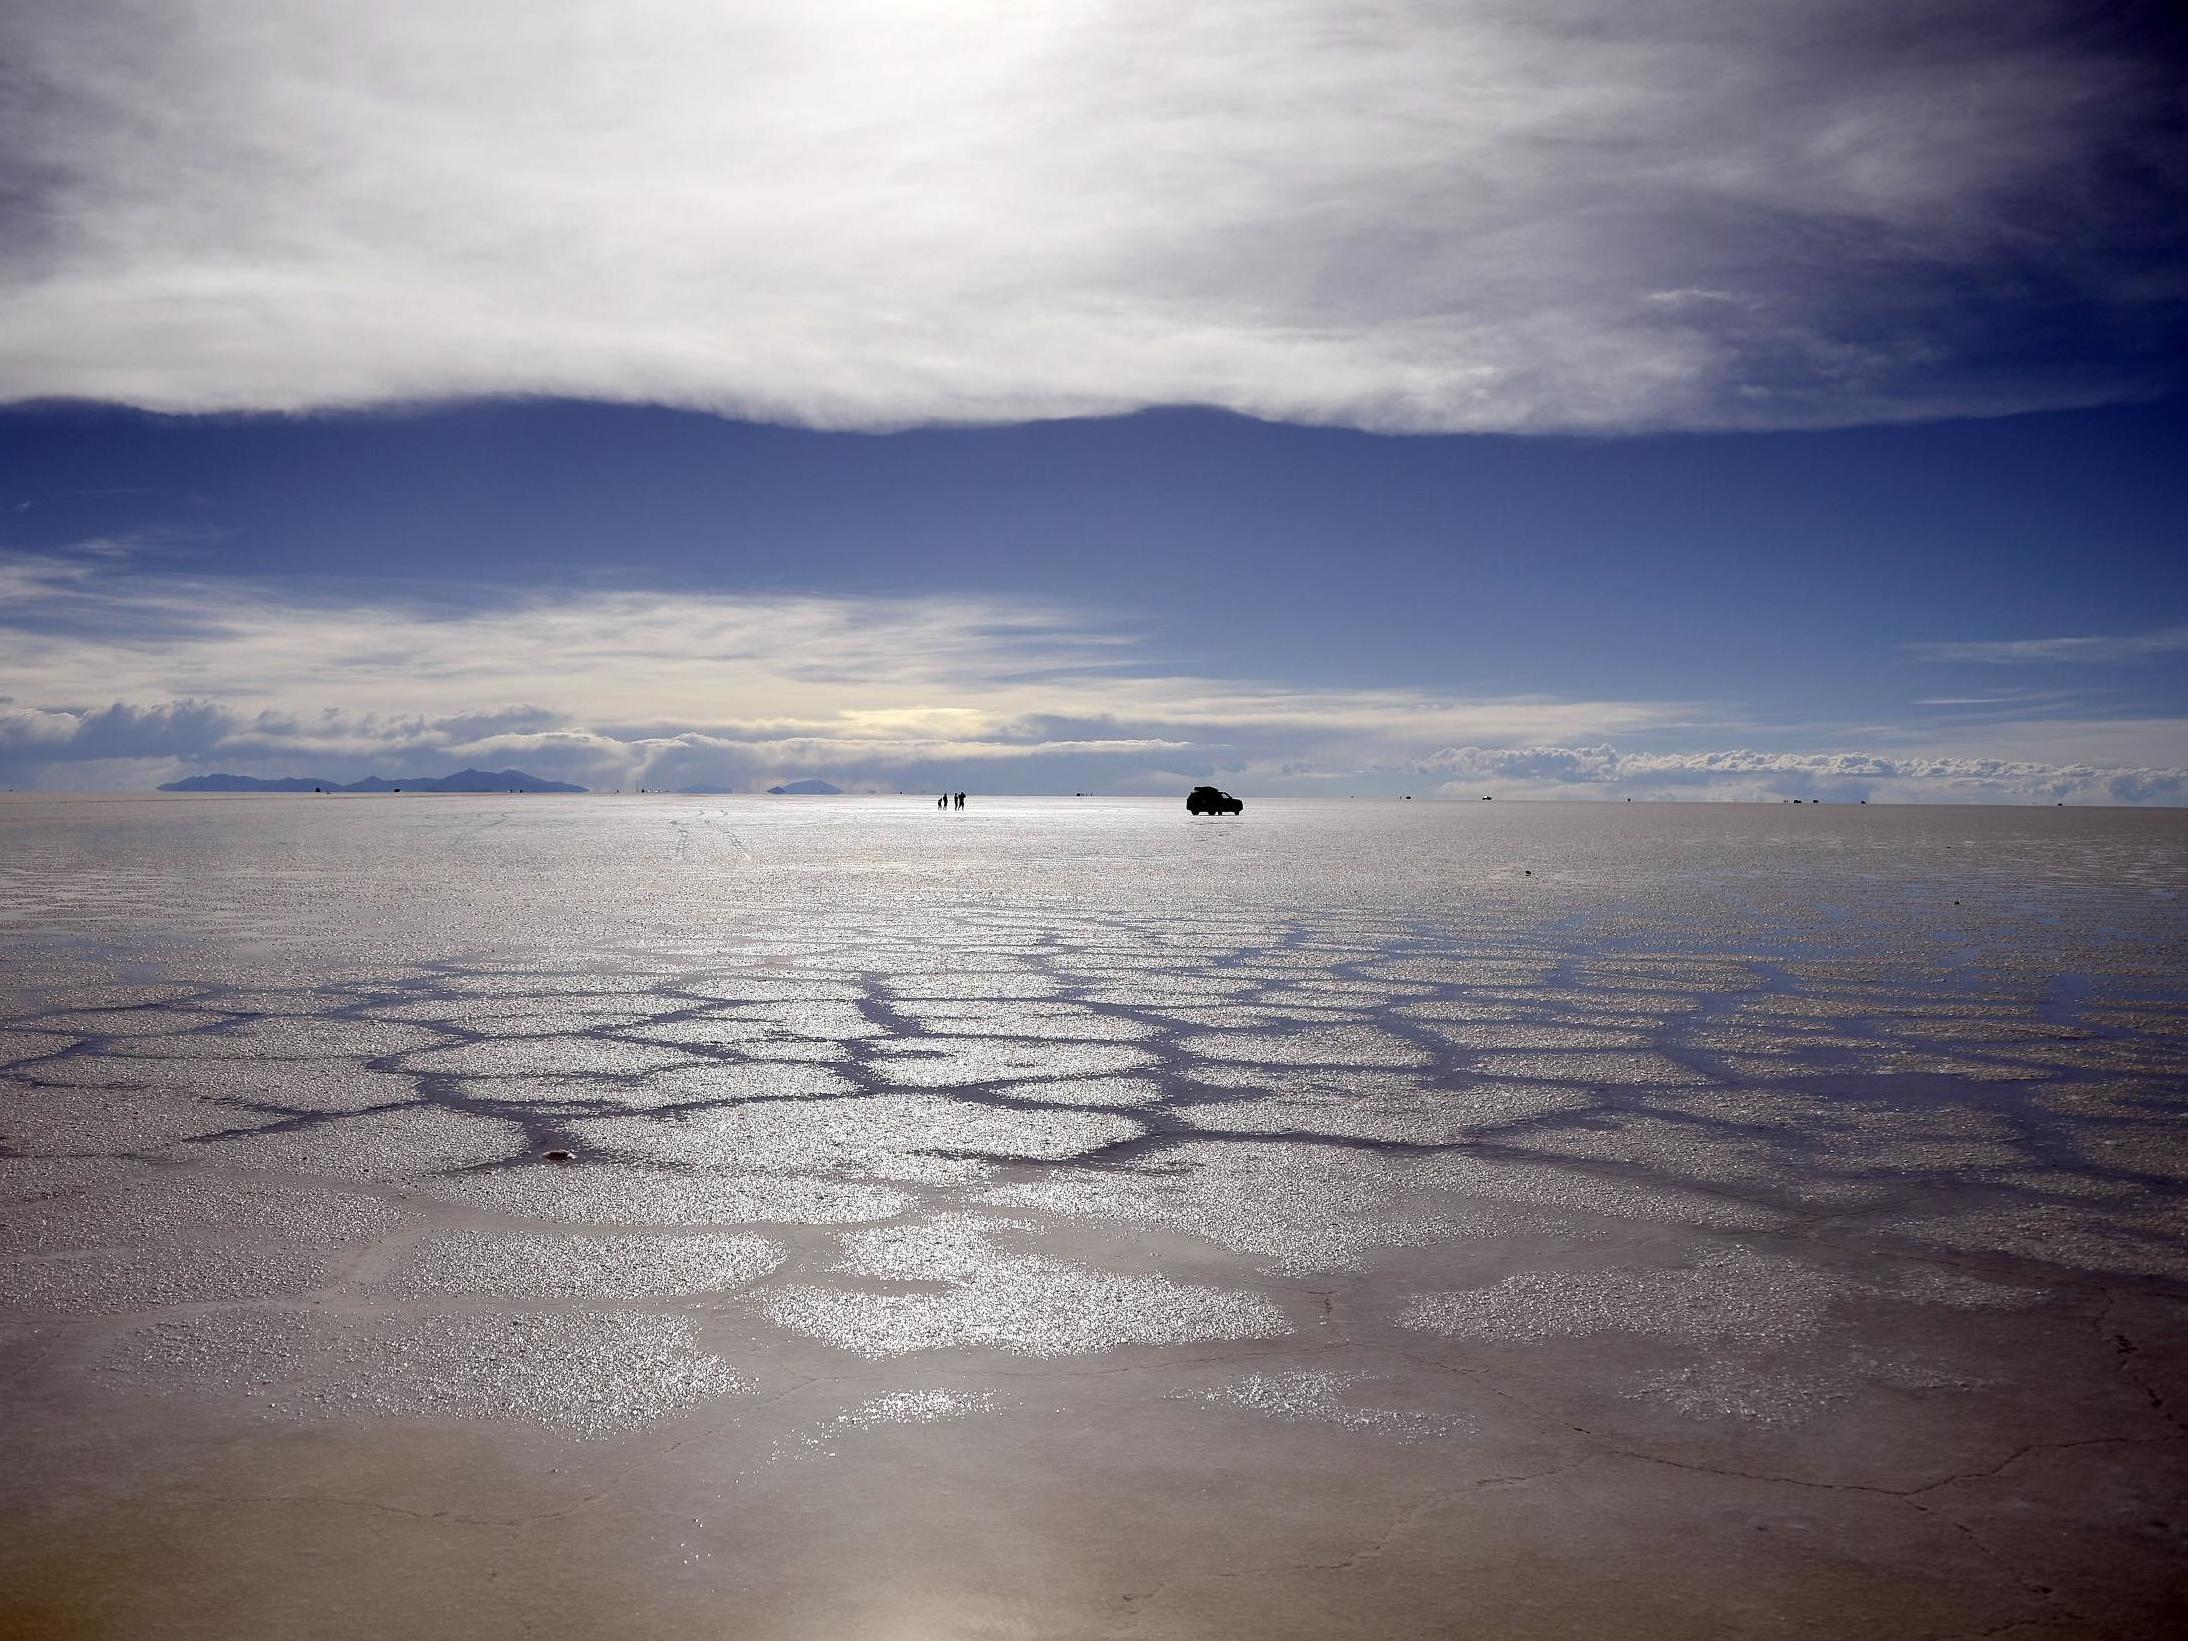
[[115, 677], [653, 688], [1607, 773], [1400, 214], [2091, 649]]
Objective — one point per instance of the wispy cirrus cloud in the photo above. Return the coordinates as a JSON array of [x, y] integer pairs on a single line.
[[2094, 649], [1396, 214]]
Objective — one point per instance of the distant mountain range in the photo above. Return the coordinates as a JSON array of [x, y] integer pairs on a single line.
[[464, 780], [805, 789]]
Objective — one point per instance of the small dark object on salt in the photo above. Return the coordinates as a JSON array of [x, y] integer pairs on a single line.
[[562, 1156]]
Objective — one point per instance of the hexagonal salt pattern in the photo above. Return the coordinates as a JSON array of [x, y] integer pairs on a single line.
[[1238, 1154]]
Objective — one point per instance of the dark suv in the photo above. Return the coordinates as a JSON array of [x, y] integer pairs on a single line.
[[1209, 800]]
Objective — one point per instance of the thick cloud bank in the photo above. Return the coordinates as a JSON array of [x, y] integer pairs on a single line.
[[1398, 214]]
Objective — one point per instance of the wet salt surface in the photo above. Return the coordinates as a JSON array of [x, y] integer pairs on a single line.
[[1729, 1150]]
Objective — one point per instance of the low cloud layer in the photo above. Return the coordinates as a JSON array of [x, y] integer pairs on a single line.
[[1838, 777], [115, 677], [1396, 214]]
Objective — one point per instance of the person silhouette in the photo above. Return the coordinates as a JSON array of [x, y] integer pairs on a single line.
[[942, 802], [961, 800]]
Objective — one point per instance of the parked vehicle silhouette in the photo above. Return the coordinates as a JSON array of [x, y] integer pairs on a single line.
[[1209, 800]]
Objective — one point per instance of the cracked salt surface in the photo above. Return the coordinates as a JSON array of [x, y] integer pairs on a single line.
[[1322, 1398], [1647, 1166], [1025, 1304], [895, 1409], [959, 1062], [884, 1136], [1390, 1106], [1732, 1293], [588, 1373], [614, 1194], [502, 1264]]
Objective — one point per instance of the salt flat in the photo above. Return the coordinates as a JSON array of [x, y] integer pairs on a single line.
[[1072, 1219]]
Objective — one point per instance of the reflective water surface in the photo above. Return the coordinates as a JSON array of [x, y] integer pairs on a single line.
[[638, 1217]]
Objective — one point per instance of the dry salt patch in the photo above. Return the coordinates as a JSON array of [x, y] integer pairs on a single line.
[[2141, 1236], [699, 1082], [1567, 1189], [1756, 1300], [894, 1409], [1388, 1106], [1040, 1021], [1021, 1303], [587, 1374], [607, 987], [1959, 1067], [114, 1122], [511, 1265], [1621, 1070], [970, 986], [773, 989], [753, 1040], [1886, 1155], [380, 1145], [146, 1022], [285, 1085], [1086, 1091], [889, 1136], [1356, 994], [2100, 1058], [86, 990], [283, 1002], [290, 1039], [1253, 1017], [1305, 1397], [1734, 1297], [957, 1063], [1687, 1150], [696, 1085], [1851, 1130], [1332, 1045], [2153, 1102], [1167, 993], [1461, 1010], [742, 1027], [1970, 1030], [545, 1057], [30, 1045], [2061, 1182], [1441, 971], [1482, 1037], [1297, 1208], [1720, 1390], [2148, 1021], [41, 1179], [517, 1016], [619, 1194], [180, 1239], [2160, 1151]]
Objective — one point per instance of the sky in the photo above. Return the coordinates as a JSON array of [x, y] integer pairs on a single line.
[[1656, 399]]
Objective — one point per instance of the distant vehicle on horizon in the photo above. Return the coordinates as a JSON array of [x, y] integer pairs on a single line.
[[1210, 800]]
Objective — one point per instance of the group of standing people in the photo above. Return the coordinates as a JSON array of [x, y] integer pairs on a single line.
[[950, 800]]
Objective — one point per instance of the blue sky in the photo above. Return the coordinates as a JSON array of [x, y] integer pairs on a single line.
[[1654, 400]]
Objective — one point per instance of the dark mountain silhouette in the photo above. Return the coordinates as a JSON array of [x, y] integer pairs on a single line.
[[464, 780], [806, 789]]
